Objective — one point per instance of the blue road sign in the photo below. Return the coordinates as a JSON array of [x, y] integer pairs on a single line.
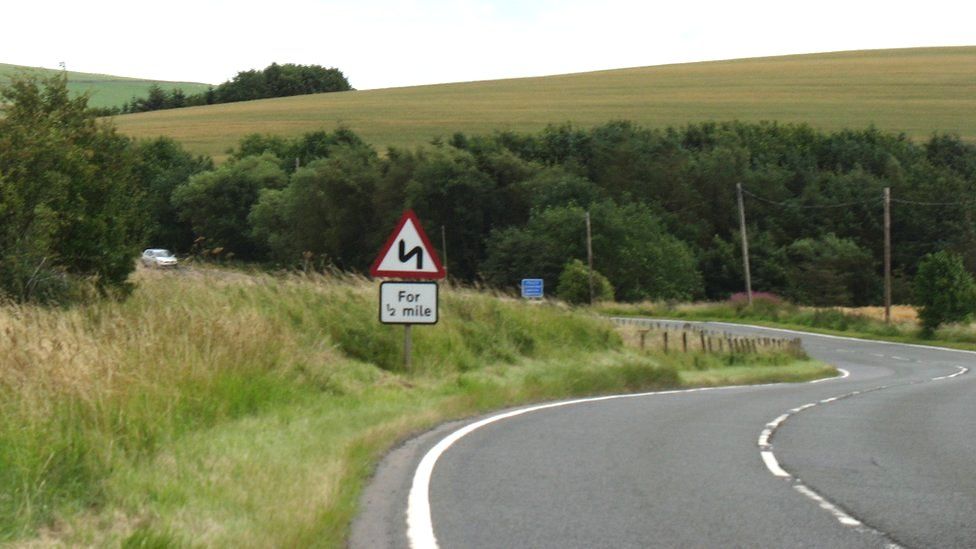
[[532, 287]]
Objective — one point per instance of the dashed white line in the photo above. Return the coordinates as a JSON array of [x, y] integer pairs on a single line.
[[841, 516], [769, 458]]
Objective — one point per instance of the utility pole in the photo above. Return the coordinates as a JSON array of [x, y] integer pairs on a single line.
[[887, 253], [444, 246], [745, 244], [589, 253]]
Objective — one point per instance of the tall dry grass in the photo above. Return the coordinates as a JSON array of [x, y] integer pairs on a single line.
[[88, 390], [223, 408]]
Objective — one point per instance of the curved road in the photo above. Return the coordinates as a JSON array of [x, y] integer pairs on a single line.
[[884, 457]]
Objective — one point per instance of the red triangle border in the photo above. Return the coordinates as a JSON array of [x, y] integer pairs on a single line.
[[375, 271]]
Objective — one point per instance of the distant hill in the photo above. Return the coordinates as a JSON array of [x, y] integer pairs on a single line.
[[916, 91], [106, 90]]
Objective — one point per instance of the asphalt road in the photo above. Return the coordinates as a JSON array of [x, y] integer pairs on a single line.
[[884, 457]]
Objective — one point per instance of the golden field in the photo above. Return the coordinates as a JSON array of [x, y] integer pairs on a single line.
[[916, 91]]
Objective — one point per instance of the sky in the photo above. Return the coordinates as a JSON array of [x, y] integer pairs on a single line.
[[390, 43]]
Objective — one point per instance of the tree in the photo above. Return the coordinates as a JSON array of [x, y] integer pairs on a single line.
[[69, 201], [281, 81], [630, 247], [323, 210], [163, 165], [831, 271], [447, 189], [944, 290], [217, 203]]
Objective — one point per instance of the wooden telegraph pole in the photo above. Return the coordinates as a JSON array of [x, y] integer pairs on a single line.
[[444, 246], [589, 253], [745, 244], [887, 253]]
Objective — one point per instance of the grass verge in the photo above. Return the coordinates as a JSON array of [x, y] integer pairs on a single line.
[[224, 409], [830, 321]]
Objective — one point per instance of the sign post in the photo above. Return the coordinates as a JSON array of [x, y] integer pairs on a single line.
[[408, 254]]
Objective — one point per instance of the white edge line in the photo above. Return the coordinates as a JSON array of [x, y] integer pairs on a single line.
[[770, 460], [420, 528], [843, 374], [962, 370]]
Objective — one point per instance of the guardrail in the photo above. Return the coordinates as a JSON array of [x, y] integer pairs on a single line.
[[669, 336]]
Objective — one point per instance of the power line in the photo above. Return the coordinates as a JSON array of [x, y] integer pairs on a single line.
[[791, 204], [920, 203]]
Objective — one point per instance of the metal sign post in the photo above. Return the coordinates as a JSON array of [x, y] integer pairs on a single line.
[[407, 346]]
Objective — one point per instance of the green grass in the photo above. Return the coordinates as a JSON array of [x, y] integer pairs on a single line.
[[106, 90], [220, 408], [915, 91]]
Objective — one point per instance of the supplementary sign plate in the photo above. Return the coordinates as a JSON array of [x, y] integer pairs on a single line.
[[408, 303]]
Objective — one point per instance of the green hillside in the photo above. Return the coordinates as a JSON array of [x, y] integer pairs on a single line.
[[917, 91], [106, 90]]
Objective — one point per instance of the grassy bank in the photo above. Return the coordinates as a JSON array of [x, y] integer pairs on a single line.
[[225, 409], [865, 322]]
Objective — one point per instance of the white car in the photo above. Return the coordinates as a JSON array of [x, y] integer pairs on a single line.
[[158, 257]]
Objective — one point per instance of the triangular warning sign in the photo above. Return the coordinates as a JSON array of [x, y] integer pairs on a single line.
[[408, 253]]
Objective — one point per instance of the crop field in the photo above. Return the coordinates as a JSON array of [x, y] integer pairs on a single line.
[[107, 91], [915, 91]]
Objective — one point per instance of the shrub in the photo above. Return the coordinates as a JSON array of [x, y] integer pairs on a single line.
[[764, 304], [574, 284], [944, 290]]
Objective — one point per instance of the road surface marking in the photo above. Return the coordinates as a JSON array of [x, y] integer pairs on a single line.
[[420, 528], [841, 516], [843, 374], [962, 370], [770, 460]]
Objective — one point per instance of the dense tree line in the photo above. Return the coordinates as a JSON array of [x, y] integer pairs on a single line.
[[662, 202], [78, 200], [273, 81]]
